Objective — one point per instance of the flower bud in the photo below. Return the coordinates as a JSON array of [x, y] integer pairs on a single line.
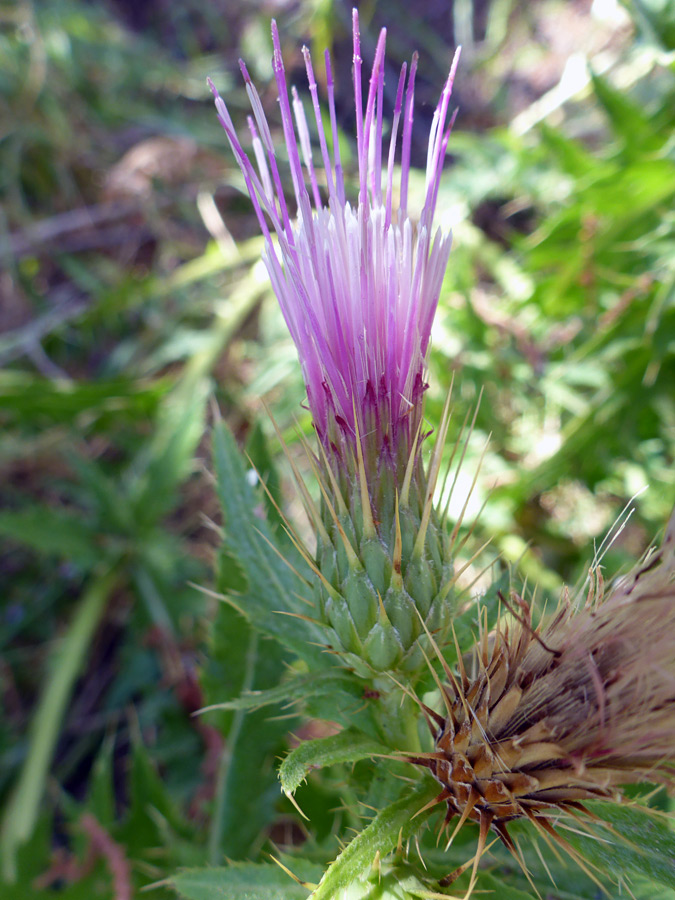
[[358, 283]]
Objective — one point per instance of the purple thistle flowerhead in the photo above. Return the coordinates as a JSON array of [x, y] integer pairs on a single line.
[[358, 282]]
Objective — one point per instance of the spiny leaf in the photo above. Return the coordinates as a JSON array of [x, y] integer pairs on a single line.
[[347, 746], [272, 586], [245, 881], [499, 887], [395, 823], [298, 688], [649, 848], [259, 453], [243, 660], [247, 791]]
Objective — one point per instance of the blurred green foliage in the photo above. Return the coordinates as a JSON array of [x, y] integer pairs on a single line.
[[125, 304]]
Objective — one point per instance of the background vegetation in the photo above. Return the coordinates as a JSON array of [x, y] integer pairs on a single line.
[[133, 306]]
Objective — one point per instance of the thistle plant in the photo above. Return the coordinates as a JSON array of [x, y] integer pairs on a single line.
[[526, 721], [358, 286], [563, 713]]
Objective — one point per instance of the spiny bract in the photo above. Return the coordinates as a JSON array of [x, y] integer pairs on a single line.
[[563, 713], [358, 284], [380, 579]]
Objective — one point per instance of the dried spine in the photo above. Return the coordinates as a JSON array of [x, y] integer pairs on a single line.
[[563, 713]]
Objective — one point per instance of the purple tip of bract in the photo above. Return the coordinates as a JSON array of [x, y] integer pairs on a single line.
[[358, 283]]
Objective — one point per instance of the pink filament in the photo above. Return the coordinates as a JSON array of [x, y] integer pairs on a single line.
[[358, 285]]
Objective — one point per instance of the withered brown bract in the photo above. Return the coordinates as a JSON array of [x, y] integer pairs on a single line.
[[568, 711]]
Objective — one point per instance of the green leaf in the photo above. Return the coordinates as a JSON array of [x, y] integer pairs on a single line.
[[165, 461], [258, 451], [657, 18], [222, 676], [648, 848], [38, 402], [151, 805], [396, 822], [571, 155], [614, 872], [101, 793], [273, 588], [628, 119], [297, 688], [491, 886], [103, 492], [246, 787], [245, 881], [347, 704], [334, 695], [51, 531], [347, 746]]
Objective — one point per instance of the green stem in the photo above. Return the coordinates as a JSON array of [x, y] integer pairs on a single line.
[[398, 717], [65, 665]]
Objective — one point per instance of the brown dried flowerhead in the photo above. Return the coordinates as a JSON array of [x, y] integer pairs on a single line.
[[562, 713]]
